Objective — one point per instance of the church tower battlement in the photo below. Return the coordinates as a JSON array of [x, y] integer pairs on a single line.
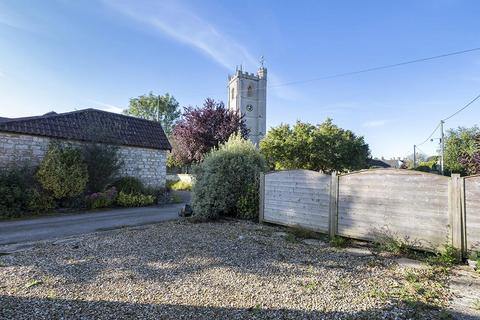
[[247, 94]]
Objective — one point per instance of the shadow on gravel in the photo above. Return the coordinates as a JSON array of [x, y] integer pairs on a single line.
[[174, 251], [37, 308]]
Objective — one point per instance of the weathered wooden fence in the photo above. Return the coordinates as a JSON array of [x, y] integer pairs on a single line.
[[298, 198], [425, 209], [472, 212]]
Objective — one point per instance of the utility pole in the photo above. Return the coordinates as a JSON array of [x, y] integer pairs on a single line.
[[442, 147], [414, 156]]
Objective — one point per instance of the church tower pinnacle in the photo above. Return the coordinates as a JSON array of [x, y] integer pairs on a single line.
[[247, 94]]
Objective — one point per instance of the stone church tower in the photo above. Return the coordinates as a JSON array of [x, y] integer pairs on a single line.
[[247, 93]]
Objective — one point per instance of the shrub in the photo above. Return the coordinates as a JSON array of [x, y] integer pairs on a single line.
[[103, 165], [14, 183], [224, 177], [134, 200], [40, 201], [179, 185], [101, 199], [160, 194], [63, 171], [247, 204], [129, 185]]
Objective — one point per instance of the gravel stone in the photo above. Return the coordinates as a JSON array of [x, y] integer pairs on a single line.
[[181, 270]]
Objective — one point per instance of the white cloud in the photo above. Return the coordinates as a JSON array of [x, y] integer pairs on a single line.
[[106, 106], [180, 23], [375, 123]]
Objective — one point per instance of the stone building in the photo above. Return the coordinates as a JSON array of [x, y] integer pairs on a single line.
[[143, 145], [247, 94]]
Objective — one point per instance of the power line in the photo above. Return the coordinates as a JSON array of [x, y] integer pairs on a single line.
[[463, 108], [431, 135], [388, 66], [377, 68], [449, 117]]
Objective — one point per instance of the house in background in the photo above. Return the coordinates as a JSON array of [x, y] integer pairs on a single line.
[[384, 163], [143, 145]]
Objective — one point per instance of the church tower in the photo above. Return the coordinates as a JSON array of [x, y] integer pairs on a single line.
[[247, 94]]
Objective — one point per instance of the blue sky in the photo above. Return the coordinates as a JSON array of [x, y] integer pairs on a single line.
[[65, 55]]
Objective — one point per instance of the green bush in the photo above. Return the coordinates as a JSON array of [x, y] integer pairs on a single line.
[[247, 204], [224, 179], [103, 165], [129, 185], [134, 200], [179, 185], [40, 201], [14, 183], [63, 171]]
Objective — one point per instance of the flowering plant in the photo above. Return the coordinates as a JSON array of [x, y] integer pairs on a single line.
[[104, 199]]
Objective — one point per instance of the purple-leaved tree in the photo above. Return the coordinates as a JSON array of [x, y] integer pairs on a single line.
[[203, 128], [470, 159]]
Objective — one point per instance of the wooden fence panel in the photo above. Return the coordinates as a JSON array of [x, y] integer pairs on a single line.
[[297, 198], [409, 204], [472, 212]]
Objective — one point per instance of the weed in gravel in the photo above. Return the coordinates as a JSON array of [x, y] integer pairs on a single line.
[[475, 256], [310, 286], [447, 256], [389, 243], [339, 242], [291, 238], [377, 294], [33, 283], [423, 289], [51, 294], [476, 304]]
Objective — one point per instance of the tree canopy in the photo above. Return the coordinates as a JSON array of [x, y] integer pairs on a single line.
[[324, 147], [462, 150], [202, 129], [164, 109]]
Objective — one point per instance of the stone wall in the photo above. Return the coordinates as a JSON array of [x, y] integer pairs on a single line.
[[148, 165]]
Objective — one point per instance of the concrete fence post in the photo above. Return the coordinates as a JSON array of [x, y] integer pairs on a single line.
[[261, 201], [333, 216], [455, 212]]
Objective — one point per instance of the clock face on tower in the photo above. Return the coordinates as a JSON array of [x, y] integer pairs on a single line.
[[249, 108]]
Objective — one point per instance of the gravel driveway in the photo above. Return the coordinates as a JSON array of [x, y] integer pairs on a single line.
[[227, 270]]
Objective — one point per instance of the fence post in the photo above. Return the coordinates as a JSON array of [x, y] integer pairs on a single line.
[[455, 212], [333, 217], [261, 201], [463, 218]]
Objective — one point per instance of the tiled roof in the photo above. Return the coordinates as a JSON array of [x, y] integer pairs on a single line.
[[384, 163], [92, 125]]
